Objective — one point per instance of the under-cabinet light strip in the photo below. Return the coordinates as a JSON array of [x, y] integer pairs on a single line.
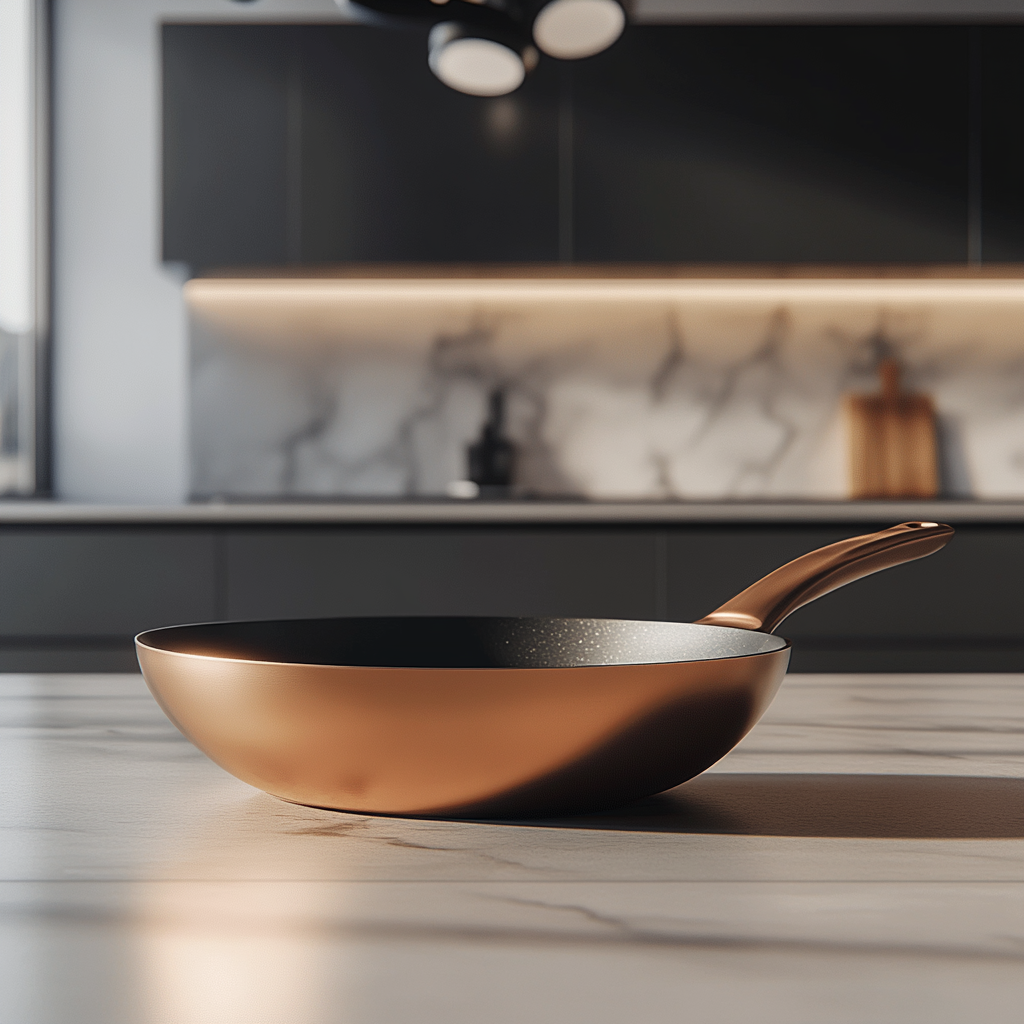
[[201, 291]]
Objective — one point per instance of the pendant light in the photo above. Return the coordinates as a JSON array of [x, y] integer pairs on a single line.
[[478, 60], [484, 47], [571, 29]]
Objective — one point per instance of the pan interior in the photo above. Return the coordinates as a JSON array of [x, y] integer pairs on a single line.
[[469, 642]]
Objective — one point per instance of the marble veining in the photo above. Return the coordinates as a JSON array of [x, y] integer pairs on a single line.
[[858, 857], [335, 391]]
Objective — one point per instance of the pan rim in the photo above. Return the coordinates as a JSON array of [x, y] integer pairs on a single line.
[[141, 643], [786, 646]]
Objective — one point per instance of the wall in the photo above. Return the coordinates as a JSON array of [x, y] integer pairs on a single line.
[[120, 352]]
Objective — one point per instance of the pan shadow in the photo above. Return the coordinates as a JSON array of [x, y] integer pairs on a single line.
[[823, 806]]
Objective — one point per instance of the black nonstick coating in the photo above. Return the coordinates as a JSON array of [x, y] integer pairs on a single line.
[[462, 642]]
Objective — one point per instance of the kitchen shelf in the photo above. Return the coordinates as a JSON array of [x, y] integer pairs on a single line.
[[514, 512]]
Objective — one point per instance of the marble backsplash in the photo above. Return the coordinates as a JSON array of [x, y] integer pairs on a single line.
[[614, 389]]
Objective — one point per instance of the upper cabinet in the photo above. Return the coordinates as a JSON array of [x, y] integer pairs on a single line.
[[774, 143], [999, 119], [288, 144], [335, 143]]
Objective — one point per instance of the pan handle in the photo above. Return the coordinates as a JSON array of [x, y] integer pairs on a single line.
[[764, 605]]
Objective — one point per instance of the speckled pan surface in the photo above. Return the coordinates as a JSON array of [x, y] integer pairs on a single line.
[[462, 642]]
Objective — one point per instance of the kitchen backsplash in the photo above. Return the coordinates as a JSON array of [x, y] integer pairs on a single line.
[[613, 389]]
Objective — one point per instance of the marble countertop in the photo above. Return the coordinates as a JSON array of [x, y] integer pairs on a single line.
[[522, 511], [858, 858]]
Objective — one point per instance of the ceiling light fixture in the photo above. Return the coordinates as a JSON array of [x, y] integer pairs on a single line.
[[571, 29], [483, 47], [478, 61]]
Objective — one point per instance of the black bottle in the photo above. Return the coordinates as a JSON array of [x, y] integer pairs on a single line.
[[492, 458]]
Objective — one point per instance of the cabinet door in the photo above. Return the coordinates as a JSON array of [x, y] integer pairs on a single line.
[[398, 167], [225, 158], [998, 74], [773, 143], [333, 143], [102, 582], [310, 572]]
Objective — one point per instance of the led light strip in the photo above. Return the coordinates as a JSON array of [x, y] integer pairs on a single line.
[[201, 291]]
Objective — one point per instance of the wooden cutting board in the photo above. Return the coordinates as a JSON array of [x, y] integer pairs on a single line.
[[893, 450]]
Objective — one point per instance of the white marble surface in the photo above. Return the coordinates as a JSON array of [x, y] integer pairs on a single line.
[[859, 858], [615, 389]]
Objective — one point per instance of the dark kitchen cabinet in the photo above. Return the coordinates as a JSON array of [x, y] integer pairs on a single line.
[[225, 153], [72, 598], [396, 166], [321, 144], [998, 71], [335, 143], [773, 143], [441, 571]]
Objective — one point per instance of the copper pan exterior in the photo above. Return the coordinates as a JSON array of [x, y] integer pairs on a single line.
[[555, 716], [483, 743]]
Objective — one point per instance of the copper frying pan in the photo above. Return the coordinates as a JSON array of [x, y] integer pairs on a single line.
[[488, 717]]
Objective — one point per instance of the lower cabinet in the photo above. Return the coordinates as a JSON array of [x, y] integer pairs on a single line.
[[447, 571], [71, 598]]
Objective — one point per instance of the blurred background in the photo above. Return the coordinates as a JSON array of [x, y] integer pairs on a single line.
[[406, 307]]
